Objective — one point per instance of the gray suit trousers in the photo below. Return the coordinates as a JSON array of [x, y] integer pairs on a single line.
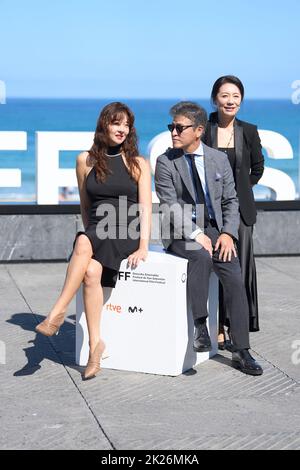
[[200, 266]]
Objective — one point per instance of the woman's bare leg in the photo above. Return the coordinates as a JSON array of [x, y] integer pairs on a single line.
[[93, 301], [77, 267]]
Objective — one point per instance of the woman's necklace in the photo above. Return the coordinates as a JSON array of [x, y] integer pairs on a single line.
[[113, 155], [231, 135], [230, 138], [113, 151]]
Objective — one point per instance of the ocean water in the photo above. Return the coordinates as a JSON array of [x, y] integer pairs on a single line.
[[152, 116]]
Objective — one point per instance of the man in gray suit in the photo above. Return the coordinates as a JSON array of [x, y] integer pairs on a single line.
[[195, 186]]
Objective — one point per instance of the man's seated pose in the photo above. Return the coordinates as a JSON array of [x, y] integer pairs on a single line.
[[196, 189]]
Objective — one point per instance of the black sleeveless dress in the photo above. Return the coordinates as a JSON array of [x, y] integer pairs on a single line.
[[113, 227]]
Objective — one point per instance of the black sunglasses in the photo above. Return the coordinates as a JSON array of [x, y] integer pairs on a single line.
[[179, 128]]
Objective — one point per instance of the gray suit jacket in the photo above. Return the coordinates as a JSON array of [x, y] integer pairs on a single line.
[[175, 190]]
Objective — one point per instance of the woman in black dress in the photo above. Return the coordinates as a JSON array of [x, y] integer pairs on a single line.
[[115, 200], [241, 142]]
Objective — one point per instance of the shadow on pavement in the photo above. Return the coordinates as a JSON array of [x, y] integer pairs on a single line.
[[59, 349]]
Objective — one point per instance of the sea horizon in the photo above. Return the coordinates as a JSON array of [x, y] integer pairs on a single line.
[[152, 116]]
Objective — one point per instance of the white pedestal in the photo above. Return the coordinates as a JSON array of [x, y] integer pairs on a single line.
[[146, 323]]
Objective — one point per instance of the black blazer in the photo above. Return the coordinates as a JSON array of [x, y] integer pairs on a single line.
[[249, 165]]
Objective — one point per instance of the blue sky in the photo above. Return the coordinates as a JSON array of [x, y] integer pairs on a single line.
[[136, 49]]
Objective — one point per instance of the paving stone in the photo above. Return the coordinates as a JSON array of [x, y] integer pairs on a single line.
[[46, 405]]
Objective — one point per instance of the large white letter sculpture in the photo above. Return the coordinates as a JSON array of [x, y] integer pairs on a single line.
[[49, 176], [276, 146], [11, 140]]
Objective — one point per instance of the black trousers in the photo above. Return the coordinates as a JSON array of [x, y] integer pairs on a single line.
[[247, 262], [200, 266]]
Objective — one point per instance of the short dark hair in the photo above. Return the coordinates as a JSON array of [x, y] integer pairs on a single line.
[[226, 79], [192, 111]]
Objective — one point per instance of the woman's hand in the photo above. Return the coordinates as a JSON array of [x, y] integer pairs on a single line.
[[135, 257]]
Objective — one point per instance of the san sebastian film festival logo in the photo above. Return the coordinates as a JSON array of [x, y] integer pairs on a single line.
[[115, 308]]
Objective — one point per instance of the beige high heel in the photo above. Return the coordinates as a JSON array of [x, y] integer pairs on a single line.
[[50, 328], [93, 365]]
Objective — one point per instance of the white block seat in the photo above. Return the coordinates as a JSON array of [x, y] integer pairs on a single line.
[[147, 323]]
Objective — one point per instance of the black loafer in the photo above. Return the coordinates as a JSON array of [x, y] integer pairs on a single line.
[[243, 361], [202, 341], [225, 346]]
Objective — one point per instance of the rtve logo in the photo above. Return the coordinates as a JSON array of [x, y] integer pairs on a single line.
[[118, 309], [114, 308], [124, 275]]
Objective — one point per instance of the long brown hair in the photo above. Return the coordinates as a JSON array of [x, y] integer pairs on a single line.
[[110, 113]]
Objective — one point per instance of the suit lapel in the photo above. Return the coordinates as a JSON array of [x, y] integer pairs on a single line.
[[214, 135], [238, 144], [182, 167]]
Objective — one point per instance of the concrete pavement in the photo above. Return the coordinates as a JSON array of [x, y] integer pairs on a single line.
[[45, 404]]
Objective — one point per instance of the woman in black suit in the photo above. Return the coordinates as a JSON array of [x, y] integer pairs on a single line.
[[241, 142]]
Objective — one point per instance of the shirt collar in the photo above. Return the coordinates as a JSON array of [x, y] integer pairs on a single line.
[[199, 152]]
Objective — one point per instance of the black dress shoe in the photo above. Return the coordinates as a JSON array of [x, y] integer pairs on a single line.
[[202, 341], [246, 363], [229, 346], [225, 345]]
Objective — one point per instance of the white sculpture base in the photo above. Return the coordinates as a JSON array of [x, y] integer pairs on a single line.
[[146, 323]]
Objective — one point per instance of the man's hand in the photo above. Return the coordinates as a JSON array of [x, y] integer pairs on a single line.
[[226, 245], [205, 241]]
